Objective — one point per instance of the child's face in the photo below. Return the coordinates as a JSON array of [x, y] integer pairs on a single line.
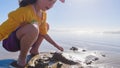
[[46, 4]]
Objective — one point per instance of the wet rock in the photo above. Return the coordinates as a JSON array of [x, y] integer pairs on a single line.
[[74, 48]]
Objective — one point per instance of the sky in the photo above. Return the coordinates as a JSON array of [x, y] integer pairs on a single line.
[[84, 15]]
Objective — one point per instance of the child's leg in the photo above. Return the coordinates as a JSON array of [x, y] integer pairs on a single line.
[[35, 47], [27, 35]]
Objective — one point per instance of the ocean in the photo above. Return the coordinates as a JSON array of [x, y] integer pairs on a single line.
[[92, 41], [105, 43]]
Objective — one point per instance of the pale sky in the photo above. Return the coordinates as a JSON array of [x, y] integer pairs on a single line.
[[76, 14]]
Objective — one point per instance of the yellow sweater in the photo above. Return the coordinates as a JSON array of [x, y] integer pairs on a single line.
[[20, 16]]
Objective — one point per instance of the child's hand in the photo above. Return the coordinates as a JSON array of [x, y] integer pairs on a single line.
[[60, 48]]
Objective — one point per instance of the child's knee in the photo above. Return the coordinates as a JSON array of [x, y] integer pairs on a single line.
[[30, 30], [33, 30]]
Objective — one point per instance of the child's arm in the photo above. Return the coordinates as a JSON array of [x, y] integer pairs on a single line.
[[49, 39]]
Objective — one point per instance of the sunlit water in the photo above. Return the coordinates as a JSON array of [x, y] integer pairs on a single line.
[[92, 41]]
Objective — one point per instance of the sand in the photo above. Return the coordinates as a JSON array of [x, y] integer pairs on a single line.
[[85, 58]]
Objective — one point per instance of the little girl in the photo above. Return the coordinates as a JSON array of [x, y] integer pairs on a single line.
[[25, 29]]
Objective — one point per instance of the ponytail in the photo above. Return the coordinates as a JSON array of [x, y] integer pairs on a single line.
[[24, 3]]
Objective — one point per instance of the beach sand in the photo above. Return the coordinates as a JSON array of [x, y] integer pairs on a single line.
[[105, 59]]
